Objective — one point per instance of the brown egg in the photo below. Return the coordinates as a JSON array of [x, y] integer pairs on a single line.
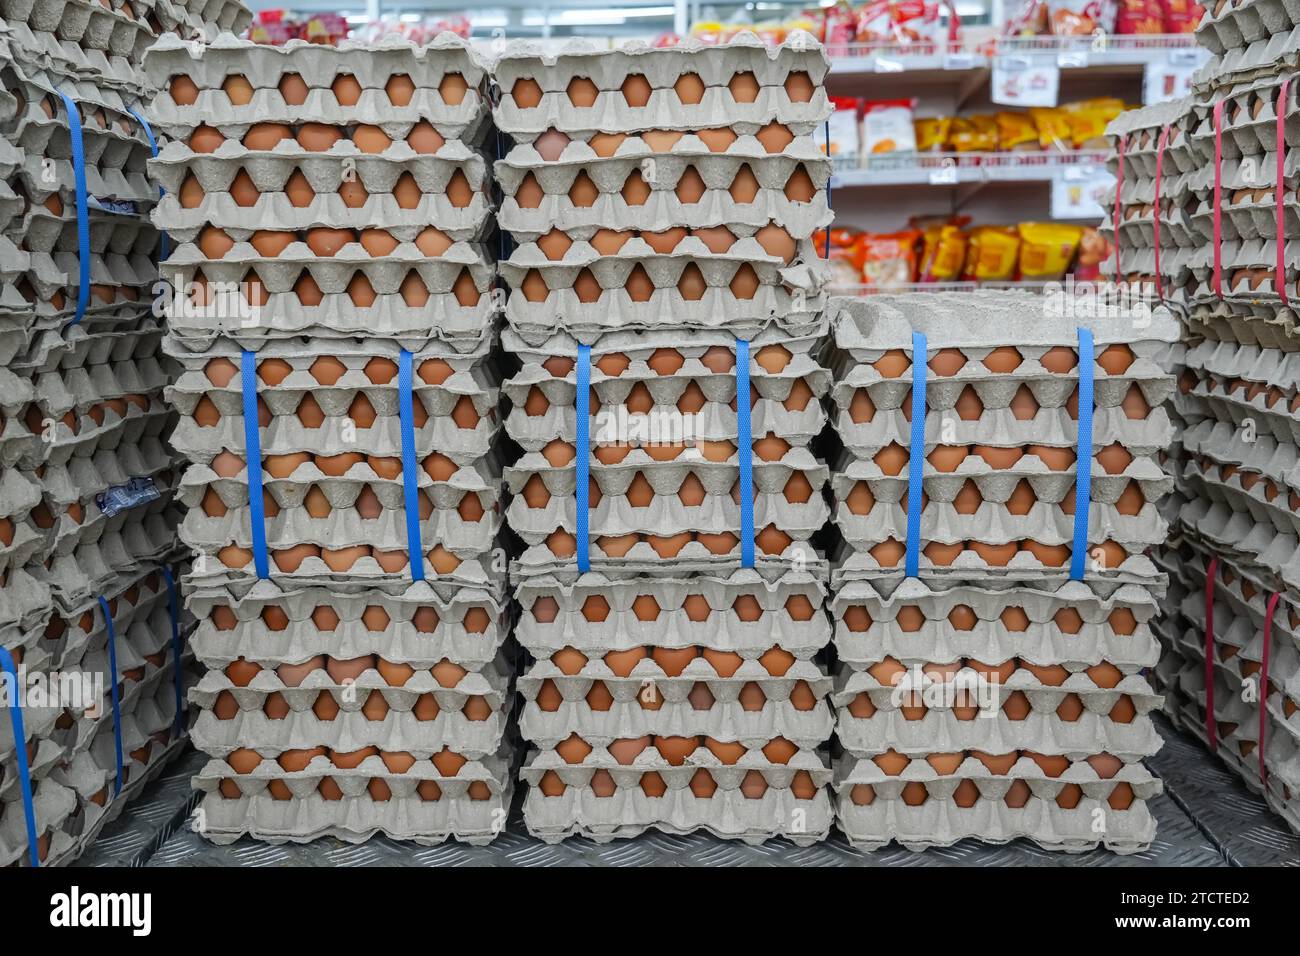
[[717, 140], [459, 192], [423, 138], [1051, 555], [604, 144], [328, 242], [690, 188], [745, 282], [946, 362], [1114, 459], [183, 91], [635, 191], [1056, 459], [299, 191], [292, 675], [1105, 674], [243, 192], [892, 364], [293, 89], [1059, 359], [676, 749], [995, 555], [777, 242], [636, 90], [799, 187], [998, 458], [945, 458], [347, 91], [1116, 359], [205, 139], [214, 243], [452, 89], [661, 140], [370, 139], [666, 241], [317, 137], [674, 661]]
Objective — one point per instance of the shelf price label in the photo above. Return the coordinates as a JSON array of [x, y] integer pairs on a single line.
[[883, 64], [945, 174], [1025, 81], [1078, 191], [1170, 78], [959, 61]]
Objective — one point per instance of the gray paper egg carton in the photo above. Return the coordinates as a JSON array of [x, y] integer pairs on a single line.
[[20, 493], [53, 805], [1264, 56], [1244, 22], [44, 49], [662, 171], [1249, 120], [1043, 641], [89, 25], [621, 629], [1250, 218], [718, 513], [1237, 288], [789, 297], [356, 818], [94, 568], [939, 730], [264, 66], [675, 716], [325, 171], [629, 811], [401, 640], [132, 428], [714, 65], [939, 822], [1274, 516], [643, 561]]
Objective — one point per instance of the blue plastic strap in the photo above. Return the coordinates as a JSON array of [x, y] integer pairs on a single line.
[[113, 681], [83, 223], [174, 606], [916, 460], [745, 450], [1083, 458], [153, 146], [20, 750], [410, 477], [583, 403], [253, 454]]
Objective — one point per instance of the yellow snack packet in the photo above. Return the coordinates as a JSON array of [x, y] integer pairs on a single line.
[[991, 253], [943, 253], [1015, 129], [931, 133], [1047, 249], [973, 134], [1053, 128]]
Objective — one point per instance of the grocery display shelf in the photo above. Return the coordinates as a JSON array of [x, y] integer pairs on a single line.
[[1206, 817], [953, 169]]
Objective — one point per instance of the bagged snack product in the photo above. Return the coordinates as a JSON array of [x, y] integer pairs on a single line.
[[1080, 17], [889, 258], [1087, 121], [1027, 19], [887, 127], [844, 255], [943, 253], [1094, 249], [1181, 16], [973, 134], [1047, 249], [839, 138], [1139, 16], [931, 133], [1052, 125], [991, 253], [1016, 131], [873, 23]]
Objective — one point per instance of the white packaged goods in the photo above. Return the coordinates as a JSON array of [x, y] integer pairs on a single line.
[[1204, 218]]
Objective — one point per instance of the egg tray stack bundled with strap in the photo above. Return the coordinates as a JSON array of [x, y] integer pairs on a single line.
[[1231, 554], [662, 202], [963, 560], [83, 419], [337, 197]]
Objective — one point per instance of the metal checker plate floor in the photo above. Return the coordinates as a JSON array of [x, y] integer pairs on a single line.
[[1206, 818]]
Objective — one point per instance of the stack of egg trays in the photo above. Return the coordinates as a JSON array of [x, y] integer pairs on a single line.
[[345, 694], [1055, 664], [83, 413], [662, 203], [1152, 202], [1241, 501]]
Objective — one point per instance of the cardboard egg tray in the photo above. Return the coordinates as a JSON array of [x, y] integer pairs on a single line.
[[742, 84], [89, 25], [1249, 122], [1235, 25], [222, 176], [743, 290], [94, 567], [422, 804], [689, 186], [922, 809], [741, 613], [603, 799], [260, 98], [1264, 56], [20, 495], [1069, 625]]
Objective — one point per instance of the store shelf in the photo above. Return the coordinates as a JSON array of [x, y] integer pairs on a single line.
[[953, 169], [1206, 817]]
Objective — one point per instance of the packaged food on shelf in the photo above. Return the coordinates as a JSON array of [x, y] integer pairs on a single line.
[[887, 127]]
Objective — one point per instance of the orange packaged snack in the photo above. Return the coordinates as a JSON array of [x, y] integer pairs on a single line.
[[973, 134], [931, 133], [889, 258], [1053, 128], [844, 256], [943, 253], [1016, 131]]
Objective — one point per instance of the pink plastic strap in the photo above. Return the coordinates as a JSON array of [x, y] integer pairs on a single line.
[[1211, 726], [1217, 280], [1263, 684], [1160, 162], [1119, 205], [1280, 282]]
